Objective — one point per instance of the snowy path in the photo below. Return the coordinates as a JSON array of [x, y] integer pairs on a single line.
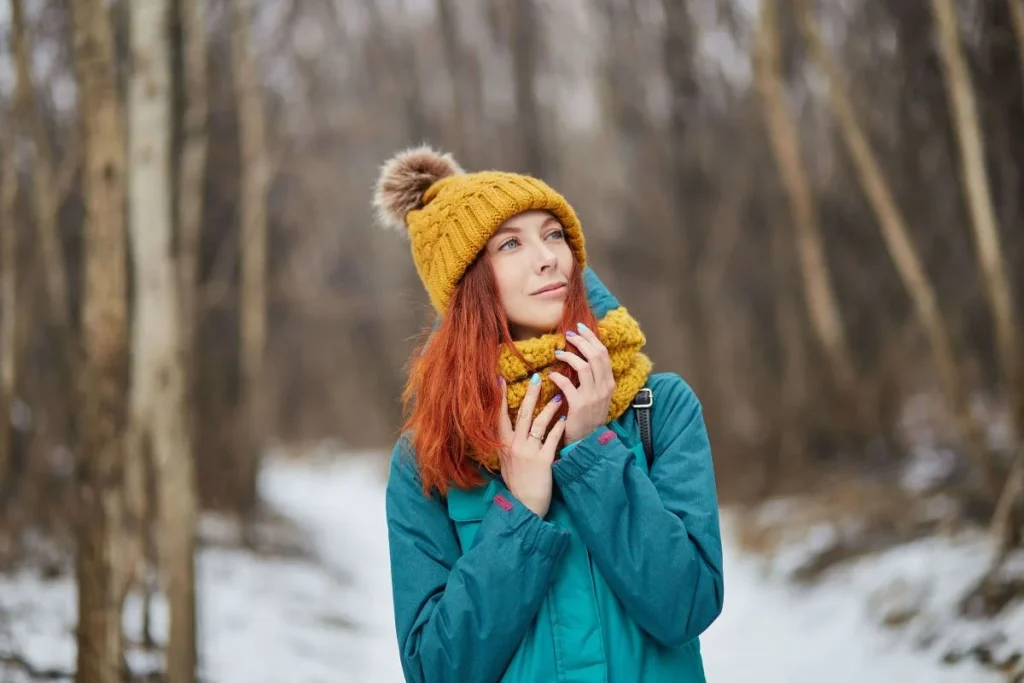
[[768, 631], [274, 620]]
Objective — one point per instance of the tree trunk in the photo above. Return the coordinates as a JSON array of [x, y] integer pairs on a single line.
[[788, 327], [525, 57], [8, 304], [253, 235], [1017, 19], [49, 189], [44, 179], [975, 185], [822, 306], [192, 178], [464, 136], [157, 330], [685, 183], [104, 334], [903, 253]]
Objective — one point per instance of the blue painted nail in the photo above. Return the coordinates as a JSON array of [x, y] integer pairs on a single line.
[[557, 398], [583, 327], [570, 333], [559, 352], [535, 379], [562, 419]]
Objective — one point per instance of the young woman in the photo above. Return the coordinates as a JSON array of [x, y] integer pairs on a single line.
[[530, 541]]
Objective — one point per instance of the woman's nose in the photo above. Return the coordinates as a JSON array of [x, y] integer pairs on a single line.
[[546, 258]]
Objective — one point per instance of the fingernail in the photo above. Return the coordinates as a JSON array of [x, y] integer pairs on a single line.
[[559, 352], [535, 379], [557, 398], [583, 327], [570, 333], [562, 419], [501, 381]]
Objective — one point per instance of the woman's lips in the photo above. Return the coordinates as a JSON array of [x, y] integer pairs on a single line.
[[551, 291]]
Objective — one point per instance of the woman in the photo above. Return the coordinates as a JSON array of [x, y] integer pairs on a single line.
[[530, 541]]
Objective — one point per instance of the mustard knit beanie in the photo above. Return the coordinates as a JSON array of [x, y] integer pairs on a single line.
[[449, 214]]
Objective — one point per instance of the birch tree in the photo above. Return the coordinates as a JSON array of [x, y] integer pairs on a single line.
[[158, 373], [100, 573]]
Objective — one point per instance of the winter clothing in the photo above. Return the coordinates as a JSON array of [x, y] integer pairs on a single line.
[[449, 214], [615, 583], [621, 335]]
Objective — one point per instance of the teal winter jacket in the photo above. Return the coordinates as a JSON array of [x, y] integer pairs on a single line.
[[614, 584]]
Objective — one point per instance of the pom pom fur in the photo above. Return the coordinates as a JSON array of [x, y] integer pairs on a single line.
[[403, 180]]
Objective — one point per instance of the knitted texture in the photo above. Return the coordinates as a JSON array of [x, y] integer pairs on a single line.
[[621, 335], [458, 212]]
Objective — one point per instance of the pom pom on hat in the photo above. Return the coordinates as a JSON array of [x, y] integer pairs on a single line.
[[403, 180]]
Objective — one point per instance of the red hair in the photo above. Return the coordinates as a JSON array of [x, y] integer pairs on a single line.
[[453, 387]]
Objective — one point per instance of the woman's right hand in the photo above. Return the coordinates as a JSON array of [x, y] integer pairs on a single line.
[[527, 453]]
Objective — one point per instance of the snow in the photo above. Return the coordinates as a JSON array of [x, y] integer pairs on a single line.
[[328, 618]]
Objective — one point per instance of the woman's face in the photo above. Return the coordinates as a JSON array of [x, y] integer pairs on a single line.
[[532, 264]]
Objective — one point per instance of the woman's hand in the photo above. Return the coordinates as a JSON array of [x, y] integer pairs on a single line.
[[527, 453], [588, 403]]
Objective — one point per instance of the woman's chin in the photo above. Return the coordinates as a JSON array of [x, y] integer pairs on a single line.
[[536, 328]]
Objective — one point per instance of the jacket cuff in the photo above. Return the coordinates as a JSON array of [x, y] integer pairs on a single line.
[[536, 534], [585, 454], [565, 451]]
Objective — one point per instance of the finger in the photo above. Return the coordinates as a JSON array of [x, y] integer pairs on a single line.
[[525, 416], [588, 334], [554, 438], [505, 431], [588, 352], [596, 353], [569, 391], [576, 363], [540, 424]]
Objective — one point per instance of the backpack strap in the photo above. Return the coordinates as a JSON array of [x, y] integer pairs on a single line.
[[642, 404]]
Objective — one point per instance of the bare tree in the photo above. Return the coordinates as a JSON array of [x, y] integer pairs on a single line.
[[818, 288], [680, 42], [446, 17], [8, 301], [158, 368], [192, 171], [252, 203], [902, 250], [525, 45], [975, 185], [1017, 18], [50, 186], [101, 576]]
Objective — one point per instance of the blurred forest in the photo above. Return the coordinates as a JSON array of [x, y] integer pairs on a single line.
[[815, 210]]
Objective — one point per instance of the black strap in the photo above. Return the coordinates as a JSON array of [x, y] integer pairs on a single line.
[[642, 404]]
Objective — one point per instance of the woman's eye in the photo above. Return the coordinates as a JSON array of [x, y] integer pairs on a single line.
[[507, 243], [558, 234]]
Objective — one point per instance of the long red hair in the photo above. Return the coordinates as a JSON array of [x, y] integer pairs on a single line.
[[453, 397]]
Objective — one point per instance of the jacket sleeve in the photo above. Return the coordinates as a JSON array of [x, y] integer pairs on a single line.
[[656, 539], [461, 616]]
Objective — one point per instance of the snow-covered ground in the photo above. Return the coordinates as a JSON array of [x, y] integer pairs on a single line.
[[303, 621]]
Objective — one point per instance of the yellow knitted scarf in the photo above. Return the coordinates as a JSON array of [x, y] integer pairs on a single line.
[[621, 335]]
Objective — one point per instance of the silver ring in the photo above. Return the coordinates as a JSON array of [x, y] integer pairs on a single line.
[[541, 439]]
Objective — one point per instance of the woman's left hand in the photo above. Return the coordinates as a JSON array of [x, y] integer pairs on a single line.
[[588, 403]]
